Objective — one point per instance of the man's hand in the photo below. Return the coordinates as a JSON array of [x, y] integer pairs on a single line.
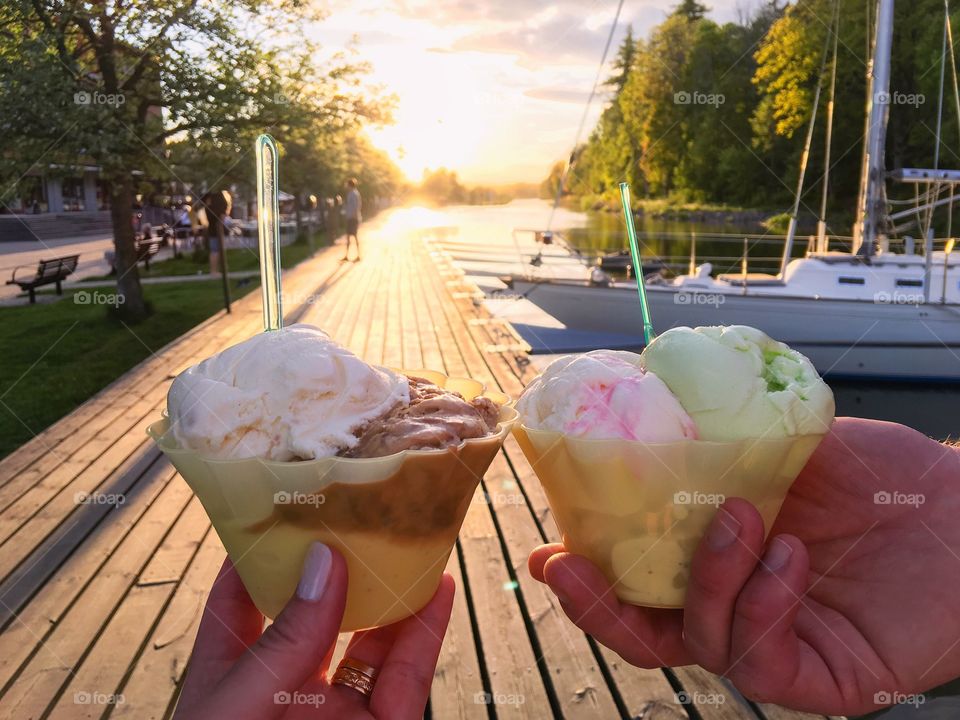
[[852, 601]]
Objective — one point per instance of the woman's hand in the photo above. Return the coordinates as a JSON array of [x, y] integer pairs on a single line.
[[240, 671], [851, 604]]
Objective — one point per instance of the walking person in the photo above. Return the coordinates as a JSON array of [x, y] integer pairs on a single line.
[[351, 210]]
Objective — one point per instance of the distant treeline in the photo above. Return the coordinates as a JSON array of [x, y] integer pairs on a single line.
[[443, 187], [709, 113]]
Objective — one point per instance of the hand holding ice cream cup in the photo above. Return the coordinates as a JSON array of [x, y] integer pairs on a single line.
[[288, 438], [636, 452]]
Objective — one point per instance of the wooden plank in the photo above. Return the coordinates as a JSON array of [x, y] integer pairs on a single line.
[[458, 690], [102, 670], [28, 571], [563, 649], [516, 685], [639, 690], [393, 351], [46, 608], [44, 674], [775, 712], [713, 697], [156, 673]]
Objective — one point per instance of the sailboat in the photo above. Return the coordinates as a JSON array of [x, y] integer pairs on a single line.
[[870, 313]]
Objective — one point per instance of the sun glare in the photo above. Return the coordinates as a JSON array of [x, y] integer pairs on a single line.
[[441, 117]]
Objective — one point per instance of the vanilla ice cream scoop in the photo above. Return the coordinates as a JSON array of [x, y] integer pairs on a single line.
[[604, 394], [735, 382], [282, 395]]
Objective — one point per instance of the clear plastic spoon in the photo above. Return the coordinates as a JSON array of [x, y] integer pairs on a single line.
[[268, 226]]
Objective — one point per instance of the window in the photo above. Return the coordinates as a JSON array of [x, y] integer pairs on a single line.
[[909, 283], [845, 280], [72, 188]]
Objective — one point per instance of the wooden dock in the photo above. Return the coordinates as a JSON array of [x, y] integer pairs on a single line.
[[99, 603]]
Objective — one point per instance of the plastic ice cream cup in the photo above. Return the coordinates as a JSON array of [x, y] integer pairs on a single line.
[[638, 510], [394, 519]]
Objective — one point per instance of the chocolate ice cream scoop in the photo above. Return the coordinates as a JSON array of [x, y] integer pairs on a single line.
[[435, 418]]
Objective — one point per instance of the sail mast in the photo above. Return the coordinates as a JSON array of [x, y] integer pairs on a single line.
[[872, 197]]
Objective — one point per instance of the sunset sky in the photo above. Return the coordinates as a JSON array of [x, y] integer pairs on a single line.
[[491, 88]]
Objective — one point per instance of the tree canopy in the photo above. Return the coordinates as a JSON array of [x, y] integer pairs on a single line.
[[717, 112], [173, 90]]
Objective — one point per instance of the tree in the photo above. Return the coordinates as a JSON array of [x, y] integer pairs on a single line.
[[442, 186], [623, 63], [114, 83], [690, 9]]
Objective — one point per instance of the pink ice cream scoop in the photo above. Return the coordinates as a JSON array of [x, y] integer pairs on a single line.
[[604, 394]]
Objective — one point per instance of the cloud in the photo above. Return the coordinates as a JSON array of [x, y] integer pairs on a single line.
[[558, 94], [564, 39], [467, 11]]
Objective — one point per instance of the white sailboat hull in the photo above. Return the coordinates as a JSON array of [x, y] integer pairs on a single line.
[[843, 338]]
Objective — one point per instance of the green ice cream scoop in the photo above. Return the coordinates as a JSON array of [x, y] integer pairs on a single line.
[[736, 382]]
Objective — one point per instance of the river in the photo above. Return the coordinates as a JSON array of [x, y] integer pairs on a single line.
[[931, 409]]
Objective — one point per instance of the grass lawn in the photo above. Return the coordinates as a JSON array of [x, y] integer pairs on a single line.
[[238, 260], [56, 356]]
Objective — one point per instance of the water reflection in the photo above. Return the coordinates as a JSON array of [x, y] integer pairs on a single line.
[[671, 241], [932, 409]]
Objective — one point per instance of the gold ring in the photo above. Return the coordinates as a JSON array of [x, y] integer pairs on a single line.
[[355, 675]]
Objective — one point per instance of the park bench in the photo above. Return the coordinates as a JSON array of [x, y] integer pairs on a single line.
[[49, 272], [147, 248]]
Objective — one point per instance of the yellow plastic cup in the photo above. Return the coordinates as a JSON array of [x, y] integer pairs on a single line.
[[638, 510], [394, 519]]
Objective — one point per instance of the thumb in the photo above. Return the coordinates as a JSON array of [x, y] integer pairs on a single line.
[[292, 649]]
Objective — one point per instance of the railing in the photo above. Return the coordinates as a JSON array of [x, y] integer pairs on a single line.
[[744, 247]]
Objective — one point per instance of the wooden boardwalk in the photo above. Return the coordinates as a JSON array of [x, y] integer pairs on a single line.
[[99, 603]]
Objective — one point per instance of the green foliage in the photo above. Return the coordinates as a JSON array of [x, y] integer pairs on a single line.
[[711, 113], [178, 90]]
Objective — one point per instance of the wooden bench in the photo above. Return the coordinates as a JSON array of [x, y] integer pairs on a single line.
[[147, 248], [49, 272]]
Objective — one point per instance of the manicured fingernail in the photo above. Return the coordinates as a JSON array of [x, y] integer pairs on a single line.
[[316, 572], [723, 530], [777, 555]]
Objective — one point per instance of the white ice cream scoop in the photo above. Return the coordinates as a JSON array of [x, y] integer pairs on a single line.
[[281, 395]]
